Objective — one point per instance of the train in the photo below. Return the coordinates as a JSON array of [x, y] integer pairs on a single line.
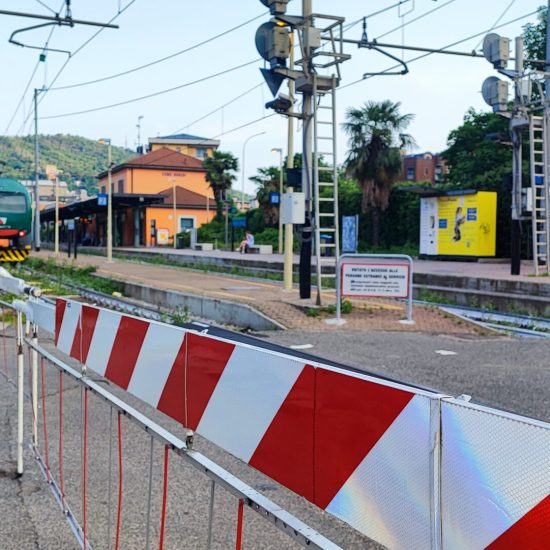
[[15, 221]]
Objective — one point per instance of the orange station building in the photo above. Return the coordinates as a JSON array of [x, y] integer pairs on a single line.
[[164, 172]]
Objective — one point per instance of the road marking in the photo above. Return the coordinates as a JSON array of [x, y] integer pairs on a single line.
[[445, 352], [301, 346]]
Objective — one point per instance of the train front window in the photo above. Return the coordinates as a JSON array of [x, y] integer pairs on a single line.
[[13, 202]]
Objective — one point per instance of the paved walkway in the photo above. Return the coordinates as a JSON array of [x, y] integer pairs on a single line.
[[270, 298]]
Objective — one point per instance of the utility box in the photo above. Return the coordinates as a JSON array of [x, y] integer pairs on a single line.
[[294, 208]]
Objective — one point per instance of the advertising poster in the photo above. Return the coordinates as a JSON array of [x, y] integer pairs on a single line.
[[458, 224]]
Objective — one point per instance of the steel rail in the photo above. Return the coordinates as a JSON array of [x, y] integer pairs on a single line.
[[280, 518]]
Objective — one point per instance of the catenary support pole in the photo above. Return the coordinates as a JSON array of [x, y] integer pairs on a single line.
[[20, 393], [289, 244], [36, 189], [516, 131], [307, 113]]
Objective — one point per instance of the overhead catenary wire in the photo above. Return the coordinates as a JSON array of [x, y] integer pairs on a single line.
[[408, 61], [79, 49], [154, 94], [20, 102], [506, 10], [43, 4], [160, 60]]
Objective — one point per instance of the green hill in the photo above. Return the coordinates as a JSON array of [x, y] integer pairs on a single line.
[[79, 158]]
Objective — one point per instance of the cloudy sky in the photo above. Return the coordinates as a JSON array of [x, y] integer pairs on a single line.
[[438, 89]]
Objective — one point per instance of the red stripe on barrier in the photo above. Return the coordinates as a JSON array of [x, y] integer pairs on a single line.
[[164, 499], [172, 399], [285, 453], [351, 415], [60, 306], [127, 345], [88, 317], [119, 506], [84, 466], [206, 360], [240, 514], [532, 531]]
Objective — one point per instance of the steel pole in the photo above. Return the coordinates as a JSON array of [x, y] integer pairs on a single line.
[[280, 201], [289, 244], [56, 228], [109, 205], [36, 190], [174, 209], [307, 113]]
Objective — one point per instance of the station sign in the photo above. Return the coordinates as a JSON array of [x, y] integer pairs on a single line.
[[375, 280], [102, 199]]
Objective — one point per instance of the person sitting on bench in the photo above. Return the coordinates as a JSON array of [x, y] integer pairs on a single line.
[[247, 242]]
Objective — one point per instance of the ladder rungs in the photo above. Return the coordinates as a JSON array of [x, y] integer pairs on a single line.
[[326, 199], [326, 138], [325, 153], [326, 229], [326, 184], [327, 122]]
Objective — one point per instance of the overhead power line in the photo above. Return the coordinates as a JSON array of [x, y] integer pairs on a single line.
[[79, 49], [220, 108], [20, 102], [446, 47], [154, 94], [506, 10], [46, 6], [160, 60]]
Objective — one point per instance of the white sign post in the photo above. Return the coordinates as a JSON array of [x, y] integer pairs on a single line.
[[374, 275]]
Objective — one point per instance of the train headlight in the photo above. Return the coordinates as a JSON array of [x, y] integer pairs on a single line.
[[22, 233]]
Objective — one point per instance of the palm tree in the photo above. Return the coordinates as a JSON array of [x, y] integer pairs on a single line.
[[220, 174], [267, 181], [376, 138]]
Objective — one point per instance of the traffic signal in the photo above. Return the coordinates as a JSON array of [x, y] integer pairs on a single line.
[[276, 7], [280, 104], [495, 93], [496, 50]]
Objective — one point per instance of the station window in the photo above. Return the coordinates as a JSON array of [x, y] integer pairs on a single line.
[[186, 223], [201, 152], [410, 174], [120, 186]]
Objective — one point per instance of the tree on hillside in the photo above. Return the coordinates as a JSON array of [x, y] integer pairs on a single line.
[[221, 168], [376, 138]]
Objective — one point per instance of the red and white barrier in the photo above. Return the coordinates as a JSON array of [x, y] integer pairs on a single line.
[[495, 479], [358, 447]]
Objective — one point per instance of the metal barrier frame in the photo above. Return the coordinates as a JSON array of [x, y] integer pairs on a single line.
[[267, 509]]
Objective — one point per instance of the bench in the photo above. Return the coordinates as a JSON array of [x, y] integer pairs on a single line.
[[204, 246], [260, 249]]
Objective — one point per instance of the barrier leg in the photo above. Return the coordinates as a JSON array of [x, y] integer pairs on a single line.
[[240, 514], [20, 393], [164, 498], [34, 384], [211, 514], [60, 449], [5, 349], [44, 423], [119, 506], [110, 489], [150, 493]]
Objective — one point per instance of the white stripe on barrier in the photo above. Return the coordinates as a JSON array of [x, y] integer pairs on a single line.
[[102, 341], [246, 399], [495, 469], [69, 325], [388, 495], [158, 353]]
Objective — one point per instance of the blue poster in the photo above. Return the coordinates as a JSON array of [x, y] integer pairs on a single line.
[[102, 199], [350, 229], [274, 197]]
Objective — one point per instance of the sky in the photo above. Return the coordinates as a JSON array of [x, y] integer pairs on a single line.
[[438, 90]]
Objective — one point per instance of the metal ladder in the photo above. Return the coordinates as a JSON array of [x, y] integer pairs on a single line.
[[325, 187], [539, 186]]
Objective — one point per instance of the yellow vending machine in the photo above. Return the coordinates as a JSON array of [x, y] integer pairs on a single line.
[[459, 224]]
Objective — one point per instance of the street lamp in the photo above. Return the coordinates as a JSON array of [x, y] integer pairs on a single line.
[[280, 151], [174, 209], [244, 150], [107, 141], [56, 229]]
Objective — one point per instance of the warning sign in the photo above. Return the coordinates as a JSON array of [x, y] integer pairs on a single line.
[[376, 279]]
